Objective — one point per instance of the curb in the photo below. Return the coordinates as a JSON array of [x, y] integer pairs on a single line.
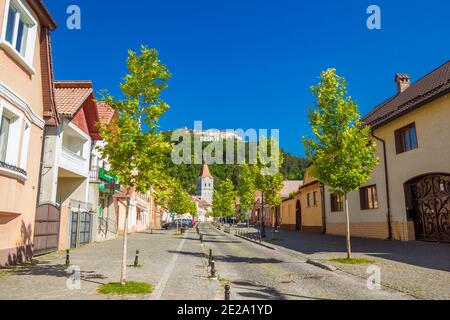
[[322, 265], [258, 243]]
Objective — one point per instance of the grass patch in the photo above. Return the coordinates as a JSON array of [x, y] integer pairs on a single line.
[[4, 273], [223, 282], [129, 288], [353, 261]]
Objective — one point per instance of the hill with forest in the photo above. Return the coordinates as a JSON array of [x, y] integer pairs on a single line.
[[187, 174]]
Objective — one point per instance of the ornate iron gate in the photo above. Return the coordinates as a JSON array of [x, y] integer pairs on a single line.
[[46, 230], [431, 199]]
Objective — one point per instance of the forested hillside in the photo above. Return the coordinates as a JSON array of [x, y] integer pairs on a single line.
[[187, 174]]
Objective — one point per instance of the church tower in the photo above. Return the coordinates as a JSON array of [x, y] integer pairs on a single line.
[[205, 185]]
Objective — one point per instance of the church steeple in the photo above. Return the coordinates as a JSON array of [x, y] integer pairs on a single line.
[[205, 184], [205, 172]]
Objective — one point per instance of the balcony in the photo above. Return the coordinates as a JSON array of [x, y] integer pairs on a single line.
[[73, 162]]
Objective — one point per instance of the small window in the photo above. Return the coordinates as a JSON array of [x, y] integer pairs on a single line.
[[369, 198], [406, 139], [5, 126], [315, 199], [308, 200], [337, 203], [17, 30]]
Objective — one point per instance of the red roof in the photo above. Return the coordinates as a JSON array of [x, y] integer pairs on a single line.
[[105, 113], [70, 96], [75, 100]]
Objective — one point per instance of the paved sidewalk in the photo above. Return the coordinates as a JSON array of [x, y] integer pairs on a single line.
[[46, 279], [418, 268]]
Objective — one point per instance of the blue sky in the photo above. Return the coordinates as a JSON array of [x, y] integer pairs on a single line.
[[250, 63]]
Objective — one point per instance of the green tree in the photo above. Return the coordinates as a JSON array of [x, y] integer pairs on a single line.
[[269, 181], [341, 151], [181, 202], [246, 188], [224, 199], [133, 147]]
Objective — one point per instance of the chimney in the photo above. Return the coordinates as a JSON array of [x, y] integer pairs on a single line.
[[403, 82]]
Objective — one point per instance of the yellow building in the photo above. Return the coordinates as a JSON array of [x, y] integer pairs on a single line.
[[311, 201], [301, 209], [408, 197]]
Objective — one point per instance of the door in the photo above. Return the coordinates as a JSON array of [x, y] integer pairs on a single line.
[[81, 228], [431, 208], [46, 230], [298, 215]]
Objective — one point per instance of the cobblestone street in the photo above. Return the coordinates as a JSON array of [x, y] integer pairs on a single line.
[[420, 269], [258, 273], [177, 267], [100, 263]]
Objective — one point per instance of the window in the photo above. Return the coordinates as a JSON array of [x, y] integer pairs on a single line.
[[406, 139], [4, 134], [337, 202], [14, 139], [19, 31], [369, 198], [315, 199], [308, 200]]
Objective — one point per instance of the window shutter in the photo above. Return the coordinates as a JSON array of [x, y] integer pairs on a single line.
[[398, 141], [362, 198]]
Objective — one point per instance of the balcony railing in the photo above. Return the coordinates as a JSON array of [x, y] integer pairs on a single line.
[[12, 168]]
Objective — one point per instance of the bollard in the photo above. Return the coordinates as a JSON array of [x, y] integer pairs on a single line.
[[67, 258], [213, 268], [136, 259], [201, 238], [227, 293], [210, 259]]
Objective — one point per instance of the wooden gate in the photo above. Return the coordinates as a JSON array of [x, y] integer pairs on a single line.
[[46, 230], [431, 201]]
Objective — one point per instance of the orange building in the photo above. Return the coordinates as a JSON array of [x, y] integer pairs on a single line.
[[26, 107]]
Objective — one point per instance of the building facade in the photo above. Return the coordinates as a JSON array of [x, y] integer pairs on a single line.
[[26, 106], [408, 197], [65, 172]]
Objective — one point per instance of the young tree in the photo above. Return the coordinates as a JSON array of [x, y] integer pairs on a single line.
[[342, 154], [180, 202], [133, 147], [224, 199], [269, 181], [246, 188]]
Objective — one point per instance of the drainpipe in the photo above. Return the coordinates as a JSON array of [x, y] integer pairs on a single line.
[[389, 218], [324, 217]]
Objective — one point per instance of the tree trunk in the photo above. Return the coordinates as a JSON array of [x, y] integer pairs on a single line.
[[347, 215], [263, 223], [123, 275]]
